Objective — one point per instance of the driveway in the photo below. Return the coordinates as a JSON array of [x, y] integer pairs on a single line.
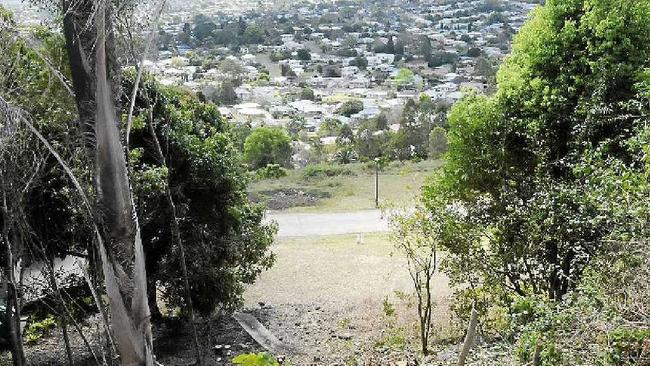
[[310, 224]]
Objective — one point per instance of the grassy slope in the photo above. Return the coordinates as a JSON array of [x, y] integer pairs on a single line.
[[398, 183]]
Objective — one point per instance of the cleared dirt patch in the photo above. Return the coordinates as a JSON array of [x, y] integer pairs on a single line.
[[284, 198]]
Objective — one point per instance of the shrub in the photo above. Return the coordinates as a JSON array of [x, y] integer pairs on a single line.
[[252, 359], [36, 330], [325, 170], [350, 107], [271, 171], [626, 345]]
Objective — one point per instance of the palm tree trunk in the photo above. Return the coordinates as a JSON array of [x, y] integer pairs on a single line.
[[90, 50]]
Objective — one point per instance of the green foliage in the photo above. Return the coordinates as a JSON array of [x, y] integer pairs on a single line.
[[329, 127], [439, 58], [295, 127], [226, 241], [254, 34], [627, 345], [393, 338], [307, 93], [520, 163], [387, 307], [303, 54], [36, 330], [417, 120], [226, 94], [57, 222], [271, 171], [350, 107], [437, 142], [360, 62], [404, 77], [417, 236], [315, 171], [371, 144], [267, 145], [252, 359]]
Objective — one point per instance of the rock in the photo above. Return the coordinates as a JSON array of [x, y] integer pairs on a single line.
[[345, 336]]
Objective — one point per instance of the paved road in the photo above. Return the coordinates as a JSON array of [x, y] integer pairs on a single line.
[[310, 224]]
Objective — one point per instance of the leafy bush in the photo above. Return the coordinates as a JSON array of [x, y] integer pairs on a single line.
[[36, 330], [350, 107], [626, 345], [271, 171], [252, 359], [325, 170]]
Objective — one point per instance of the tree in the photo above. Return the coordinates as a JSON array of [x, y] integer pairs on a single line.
[[40, 218], [486, 70], [286, 70], [329, 127], [227, 95], [517, 161], [381, 122], [404, 77], [474, 52], [303, 54], [267, 145], [203, 29], [307, 93], [390, 45], [360, 62], [88, 31], [254, 34], [425, 48], [371, 144], [331, 71], [439, 58], [437, 142], [202, 172], [416, 236], [416, 122], [350, 107]]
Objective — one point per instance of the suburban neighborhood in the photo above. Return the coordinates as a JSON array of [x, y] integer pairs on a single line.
[[304, 60]]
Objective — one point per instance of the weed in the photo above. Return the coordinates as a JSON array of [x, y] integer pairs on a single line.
[[36, 330]]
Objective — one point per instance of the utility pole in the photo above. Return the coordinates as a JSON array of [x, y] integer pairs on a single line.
[[376, 182]]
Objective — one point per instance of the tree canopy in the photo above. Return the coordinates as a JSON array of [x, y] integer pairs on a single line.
[[521, 163], [227, 242], [267, 145]]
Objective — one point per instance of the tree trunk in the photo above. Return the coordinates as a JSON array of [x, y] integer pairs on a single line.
[[89, 42], [60, 308], [12, 313], [469, 338], [13, 318]]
